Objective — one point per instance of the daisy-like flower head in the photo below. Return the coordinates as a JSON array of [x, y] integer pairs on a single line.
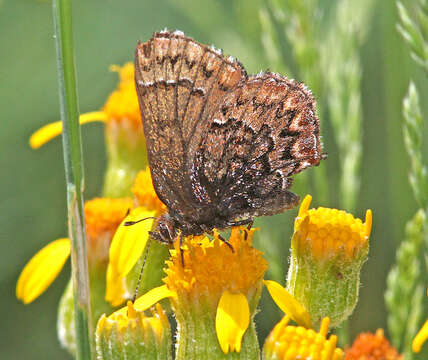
[[126, 147], [287, 342], [102, 218], [211, 267], [129, 333], [121, 107], [122, 104], [373, 347], [329, 247], [325, 233], [215, 294]]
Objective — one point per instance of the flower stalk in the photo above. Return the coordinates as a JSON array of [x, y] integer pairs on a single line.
[[74, 174]]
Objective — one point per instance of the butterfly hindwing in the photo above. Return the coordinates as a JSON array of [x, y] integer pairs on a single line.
[[260, 134]]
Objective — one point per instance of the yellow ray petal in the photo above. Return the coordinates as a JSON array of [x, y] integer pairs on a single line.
[[304, 206], [49, 131], [115, 287], [129, 241], [152, 297], [288, 304], [420, 338], [368, 223], [232, 320], [42, 270]]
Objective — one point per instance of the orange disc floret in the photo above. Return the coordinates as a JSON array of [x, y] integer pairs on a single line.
[[211, 267], [122, 104], [103, 215], [327, 232], [368, 346], [145, 193]]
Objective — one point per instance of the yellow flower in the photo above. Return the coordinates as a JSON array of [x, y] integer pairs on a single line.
[[126, 248], [131, 333], [102, 218], [287, 342], [122, 104], [216, 290], [329, 247], [372, 346], [328, 233], [121, 107]]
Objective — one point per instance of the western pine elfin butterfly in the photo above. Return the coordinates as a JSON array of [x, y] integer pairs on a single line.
[[221, 144]]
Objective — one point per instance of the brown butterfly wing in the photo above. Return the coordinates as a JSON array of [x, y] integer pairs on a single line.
[[178, 82], [262, 132]]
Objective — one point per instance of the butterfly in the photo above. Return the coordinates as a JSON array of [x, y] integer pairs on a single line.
[[221, 144]]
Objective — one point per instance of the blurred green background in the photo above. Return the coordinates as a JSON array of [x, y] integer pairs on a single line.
[[32, 185]]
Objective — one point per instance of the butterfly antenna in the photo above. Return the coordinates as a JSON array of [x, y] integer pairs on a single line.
[[141, 271], [129, 223]]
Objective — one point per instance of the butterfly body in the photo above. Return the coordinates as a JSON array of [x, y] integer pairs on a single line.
[[222, 145]]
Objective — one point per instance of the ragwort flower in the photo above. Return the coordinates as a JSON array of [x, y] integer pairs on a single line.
[[130, 334], [214, 295], [373, 347], [286, 342], [125, 142], [102, 218], [328, 249]]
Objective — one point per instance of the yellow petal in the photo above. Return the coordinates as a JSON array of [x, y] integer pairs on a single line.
[[115, 287], [304, 206], [420, 338], [148, 299], [288, 304], [232, 320], [129, 241], [42, 270], [368, 223], [152, 297], [49, 131]]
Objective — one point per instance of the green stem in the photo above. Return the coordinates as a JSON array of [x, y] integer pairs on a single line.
[[74, 175]]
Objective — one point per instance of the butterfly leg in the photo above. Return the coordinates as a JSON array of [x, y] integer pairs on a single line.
[[181, 238], [248, 222], [155, 235], [226, 242]]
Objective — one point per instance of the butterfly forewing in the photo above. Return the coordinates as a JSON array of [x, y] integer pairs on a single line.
[[179, 81]]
